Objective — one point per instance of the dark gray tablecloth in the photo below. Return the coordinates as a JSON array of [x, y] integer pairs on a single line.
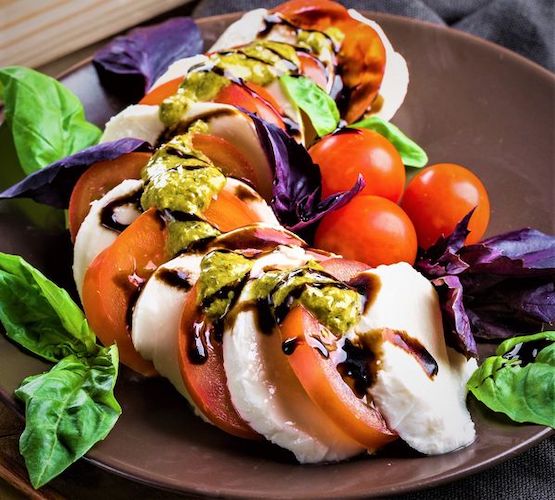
[[527, 27]]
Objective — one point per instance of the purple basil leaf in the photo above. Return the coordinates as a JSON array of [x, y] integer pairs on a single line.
[[456, 325], [53, 184], [441, 258], [130, 64], [507, 283], [296, 198]]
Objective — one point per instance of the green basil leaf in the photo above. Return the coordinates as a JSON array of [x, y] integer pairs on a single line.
[[39, 315], [46, 119], [411, 153], [524, 392], [314, 101], [67, 411]]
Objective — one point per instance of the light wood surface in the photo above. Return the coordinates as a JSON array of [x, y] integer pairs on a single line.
[[34, 32]]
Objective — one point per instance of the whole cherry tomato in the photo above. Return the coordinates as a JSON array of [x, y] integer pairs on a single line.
[[346, 154], [440, 196], [369, 229]]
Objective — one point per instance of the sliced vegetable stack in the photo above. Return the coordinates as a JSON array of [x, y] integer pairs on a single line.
[[190, 220]]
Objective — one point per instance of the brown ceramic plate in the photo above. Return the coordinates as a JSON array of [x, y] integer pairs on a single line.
[[469, 102]]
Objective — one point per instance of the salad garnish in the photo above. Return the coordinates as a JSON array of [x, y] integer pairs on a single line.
[[520, 379], [129, 64], [72, 406]]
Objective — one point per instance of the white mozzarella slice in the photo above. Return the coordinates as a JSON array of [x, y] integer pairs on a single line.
[[266, 392], [157, 313], [430, 414], [230, 124], [242, 31], [179, 69], [255, 202], [396, 75], [139, 121], [93, 237]]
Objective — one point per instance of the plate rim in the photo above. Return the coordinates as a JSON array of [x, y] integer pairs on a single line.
[[417, 485]]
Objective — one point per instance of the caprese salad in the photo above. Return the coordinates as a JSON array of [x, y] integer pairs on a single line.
[[190, 221]]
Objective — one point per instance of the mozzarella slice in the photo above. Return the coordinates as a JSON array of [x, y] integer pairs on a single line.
[[242, 31], [179, 69], [396, 74], [266, 392], [93, 237], [156, 316], [230, 124], [139, 121], [430, 414]]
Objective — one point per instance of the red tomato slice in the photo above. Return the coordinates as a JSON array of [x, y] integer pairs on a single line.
[[202, 369], [97, 181], [156, 96], [312, 68], [325, 386], [114, 279], [344, 269], [362, 54], [225, 156], [246, 97], [228, 212]]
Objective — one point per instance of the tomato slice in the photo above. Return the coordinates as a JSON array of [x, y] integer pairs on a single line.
[[246, 97], [312, 68], [97, 181], [202, 368], [362, 54], [320, 378], [228, 212], [225, 156], [343, 269], [157, 95], [114, 279]]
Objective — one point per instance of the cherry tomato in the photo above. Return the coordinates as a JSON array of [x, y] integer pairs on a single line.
[[346, 154], [97, 181], [313, 68], [325, 386], [157, 95], [369, 229], [440, 196]]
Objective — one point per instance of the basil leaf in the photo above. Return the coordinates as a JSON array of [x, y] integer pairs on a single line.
[[46, 119], [314, 101], [39, 315], [514, 384], [67, 411], [411, 153]]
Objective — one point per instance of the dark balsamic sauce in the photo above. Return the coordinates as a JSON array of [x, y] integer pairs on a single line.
[[527, 352], [132, 285], [413, 347], [356, 370], [289, 345], [245, 194], [368, 285], [108, 217], [175, 278]]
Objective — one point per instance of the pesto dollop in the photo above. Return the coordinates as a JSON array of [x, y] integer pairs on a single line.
[[221, 272], [180, 179], [332, 303]]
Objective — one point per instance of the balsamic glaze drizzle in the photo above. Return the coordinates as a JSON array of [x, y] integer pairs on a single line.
[[108, 217]]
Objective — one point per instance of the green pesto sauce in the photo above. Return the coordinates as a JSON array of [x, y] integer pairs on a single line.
[[183, 234], [220, 270], [179, 178], [337, 308]]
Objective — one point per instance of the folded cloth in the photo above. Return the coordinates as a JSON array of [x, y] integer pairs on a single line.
[[525, 26]]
